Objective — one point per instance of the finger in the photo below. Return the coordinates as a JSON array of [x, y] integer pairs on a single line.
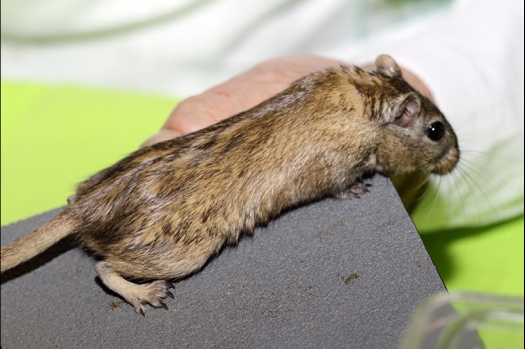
[[243, 91], [161, 136], [199, 111]]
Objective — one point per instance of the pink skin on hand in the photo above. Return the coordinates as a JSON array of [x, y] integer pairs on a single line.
[[240, 93]]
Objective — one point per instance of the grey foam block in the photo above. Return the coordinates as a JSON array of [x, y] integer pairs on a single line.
[[331, 274]]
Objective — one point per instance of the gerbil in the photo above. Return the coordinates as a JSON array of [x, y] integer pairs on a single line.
[[160, 213]]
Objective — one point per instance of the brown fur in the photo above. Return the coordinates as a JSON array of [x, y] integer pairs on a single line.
[[161, 212]]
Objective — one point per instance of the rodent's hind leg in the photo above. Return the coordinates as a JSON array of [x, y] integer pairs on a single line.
[[354, 191], [135, 294]]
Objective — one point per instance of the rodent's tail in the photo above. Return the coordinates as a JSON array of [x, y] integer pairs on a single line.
[[39, 240]]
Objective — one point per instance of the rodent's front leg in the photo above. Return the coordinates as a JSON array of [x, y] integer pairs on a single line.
[[353, 192]]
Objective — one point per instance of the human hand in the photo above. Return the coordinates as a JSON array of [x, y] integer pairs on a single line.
[[238, 94]]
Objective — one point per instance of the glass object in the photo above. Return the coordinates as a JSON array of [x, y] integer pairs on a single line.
[[466, 321]]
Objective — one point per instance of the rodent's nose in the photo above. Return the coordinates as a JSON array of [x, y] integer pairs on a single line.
[[447, 162]]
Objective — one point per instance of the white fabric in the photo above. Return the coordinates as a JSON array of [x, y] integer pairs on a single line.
[[470, 55], [174, 47]]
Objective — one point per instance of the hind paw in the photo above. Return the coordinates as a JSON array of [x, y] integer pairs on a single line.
[[152, 294], [135, 294]]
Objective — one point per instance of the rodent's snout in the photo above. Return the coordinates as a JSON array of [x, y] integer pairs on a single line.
[[447, 162]]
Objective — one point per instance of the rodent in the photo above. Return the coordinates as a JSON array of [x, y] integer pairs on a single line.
[[162, 212]]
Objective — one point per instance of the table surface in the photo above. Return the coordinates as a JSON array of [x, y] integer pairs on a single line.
[[333, 274]]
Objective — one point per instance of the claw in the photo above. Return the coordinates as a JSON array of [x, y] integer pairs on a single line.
[[163, 305], [152, 294]]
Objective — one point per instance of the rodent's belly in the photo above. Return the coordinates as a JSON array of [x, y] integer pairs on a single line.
[[162, 258]]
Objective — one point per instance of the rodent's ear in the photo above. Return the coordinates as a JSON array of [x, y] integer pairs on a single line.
[[386, 66], [403, 111]]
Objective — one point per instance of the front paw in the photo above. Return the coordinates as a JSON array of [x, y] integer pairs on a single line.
[[354, 191]]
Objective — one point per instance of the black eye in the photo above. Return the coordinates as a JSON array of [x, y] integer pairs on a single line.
[[435, 131]]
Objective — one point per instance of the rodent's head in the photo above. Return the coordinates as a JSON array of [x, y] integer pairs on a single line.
[[413, 135]]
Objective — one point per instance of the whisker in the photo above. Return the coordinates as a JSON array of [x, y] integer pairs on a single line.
[[491, 156], [434, 198], [472, 194], [471, 179], [486, 175]]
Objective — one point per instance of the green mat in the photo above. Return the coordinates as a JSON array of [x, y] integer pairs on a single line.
[[56, 136]]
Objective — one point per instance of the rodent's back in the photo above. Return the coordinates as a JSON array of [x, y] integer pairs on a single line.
[[314, 139], [228, 177], [232, 176]]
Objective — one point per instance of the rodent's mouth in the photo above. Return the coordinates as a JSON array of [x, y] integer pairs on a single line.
[[447, 162]]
